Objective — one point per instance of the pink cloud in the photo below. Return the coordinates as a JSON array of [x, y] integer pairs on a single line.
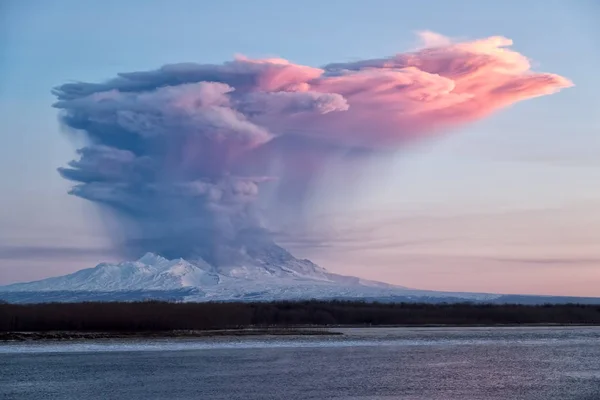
[[391, 100]]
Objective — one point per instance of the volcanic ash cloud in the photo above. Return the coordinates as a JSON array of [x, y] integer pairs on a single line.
[[178, 153]]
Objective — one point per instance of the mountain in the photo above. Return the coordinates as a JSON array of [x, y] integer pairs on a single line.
[[151, 272], [254, 269]]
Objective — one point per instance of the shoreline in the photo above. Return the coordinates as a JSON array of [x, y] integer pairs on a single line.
[[64, 336], [6, 337]]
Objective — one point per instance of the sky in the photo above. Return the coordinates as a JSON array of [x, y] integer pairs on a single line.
[[508, 204]]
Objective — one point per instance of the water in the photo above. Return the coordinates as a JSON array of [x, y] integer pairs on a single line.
[[365, 364]]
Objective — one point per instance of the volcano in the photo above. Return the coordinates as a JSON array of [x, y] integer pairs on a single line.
[[252, 268]]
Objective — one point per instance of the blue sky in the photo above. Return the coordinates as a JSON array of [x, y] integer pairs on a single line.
[[508, 204]]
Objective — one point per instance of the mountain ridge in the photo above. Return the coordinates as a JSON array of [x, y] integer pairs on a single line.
[[154, 272], [257, 270], [259, 273]]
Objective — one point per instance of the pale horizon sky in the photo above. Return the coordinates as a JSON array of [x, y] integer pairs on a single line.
[[510, 204]]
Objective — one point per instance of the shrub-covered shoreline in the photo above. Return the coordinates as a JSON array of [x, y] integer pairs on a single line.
[[150, 317]]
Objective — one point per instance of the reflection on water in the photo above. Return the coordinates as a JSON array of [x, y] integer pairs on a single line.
[[373, 363]]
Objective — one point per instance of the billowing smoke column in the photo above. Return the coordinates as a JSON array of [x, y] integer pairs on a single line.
[[179, 153]]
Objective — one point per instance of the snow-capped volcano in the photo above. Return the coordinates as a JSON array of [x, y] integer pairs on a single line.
[[263, 272], [257, 269], [153, 272]]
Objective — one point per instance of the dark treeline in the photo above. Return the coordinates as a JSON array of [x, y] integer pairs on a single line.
[[163, 316]]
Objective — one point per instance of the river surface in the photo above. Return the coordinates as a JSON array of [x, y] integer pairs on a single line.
[[363, 364]]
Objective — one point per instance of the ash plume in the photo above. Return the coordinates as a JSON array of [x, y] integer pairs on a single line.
[[179, 153]]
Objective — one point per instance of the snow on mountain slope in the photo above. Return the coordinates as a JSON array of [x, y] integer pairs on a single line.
[[260, 273], [151, 272]]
